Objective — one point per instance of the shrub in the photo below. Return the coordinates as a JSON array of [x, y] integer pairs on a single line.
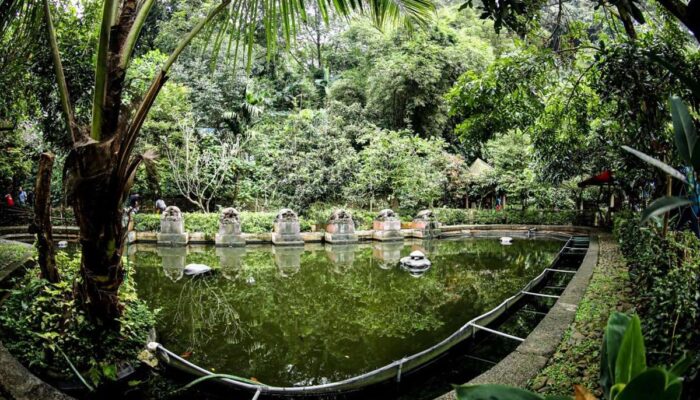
[[457, 216], [208, 223], [665, 272], [41, 322], [146, 222]]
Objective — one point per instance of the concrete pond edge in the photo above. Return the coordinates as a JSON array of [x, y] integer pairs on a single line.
[[532, 355], [515, 369]]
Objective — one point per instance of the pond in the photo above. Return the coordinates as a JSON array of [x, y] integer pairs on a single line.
[[305, 316]]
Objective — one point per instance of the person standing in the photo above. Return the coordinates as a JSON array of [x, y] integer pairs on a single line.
[[22, 197], [160, 206], [134, 202], [9, 200]]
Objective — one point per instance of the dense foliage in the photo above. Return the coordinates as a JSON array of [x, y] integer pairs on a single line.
[[665, 272], [50, 331]]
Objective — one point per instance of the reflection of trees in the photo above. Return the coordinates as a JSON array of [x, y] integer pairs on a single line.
[[204, 310], [328, 322]]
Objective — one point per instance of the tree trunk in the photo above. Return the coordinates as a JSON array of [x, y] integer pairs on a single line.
[[42, 220], [97, 191]]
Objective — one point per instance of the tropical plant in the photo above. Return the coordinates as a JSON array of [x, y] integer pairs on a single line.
[[686, 140], [100, 169], [624, 374]]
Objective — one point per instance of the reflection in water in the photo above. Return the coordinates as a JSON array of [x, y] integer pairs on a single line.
[[173, 261], [388, 253], [230, 261], [341, 255], [291, 316], [288, 259]]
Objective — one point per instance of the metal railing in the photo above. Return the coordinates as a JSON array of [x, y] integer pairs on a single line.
[[392, 370]]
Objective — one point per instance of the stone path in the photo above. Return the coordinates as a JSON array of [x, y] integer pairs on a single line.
[[577, 358]]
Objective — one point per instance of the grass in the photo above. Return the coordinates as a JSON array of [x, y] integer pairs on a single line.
[[577, 358]]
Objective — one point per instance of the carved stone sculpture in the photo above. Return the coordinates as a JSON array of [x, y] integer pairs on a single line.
[[425, 225], [387, 226], [229, 234], [286, 229], [172, 228], [340, 228]]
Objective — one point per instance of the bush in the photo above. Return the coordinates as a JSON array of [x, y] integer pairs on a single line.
[[208, 223], [261, 221], [665, 273], [41, 321], [458, 216]]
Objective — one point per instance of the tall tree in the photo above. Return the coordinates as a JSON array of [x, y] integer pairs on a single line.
[[100, 168]]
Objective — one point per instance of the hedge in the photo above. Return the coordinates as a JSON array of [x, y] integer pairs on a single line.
[[208, 223], [260, 222]]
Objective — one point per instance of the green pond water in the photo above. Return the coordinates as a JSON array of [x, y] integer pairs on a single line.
[[303, 316]]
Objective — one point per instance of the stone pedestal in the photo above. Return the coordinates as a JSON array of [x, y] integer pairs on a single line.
[[426, 226], [286, 229], [173, 261], [229, 229], [340, 228], [288, 259], [387, 226], [387, 253], [172, 228]]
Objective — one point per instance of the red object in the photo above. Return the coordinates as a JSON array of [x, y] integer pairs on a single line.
[[9, 200], [605, 177]]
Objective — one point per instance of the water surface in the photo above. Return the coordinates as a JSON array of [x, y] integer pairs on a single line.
[[303, 316]]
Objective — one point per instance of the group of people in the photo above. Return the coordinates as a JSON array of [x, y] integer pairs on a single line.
[[135, 204], [25, 199]]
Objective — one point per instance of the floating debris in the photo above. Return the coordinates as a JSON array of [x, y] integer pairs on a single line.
[[196, 269]]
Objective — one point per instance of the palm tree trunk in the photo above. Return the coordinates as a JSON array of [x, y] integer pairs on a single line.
[[42, 220], [97, 194]]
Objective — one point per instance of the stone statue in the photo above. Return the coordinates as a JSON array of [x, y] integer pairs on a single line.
[[229, 229], [340, 228], [387, 226], [286, 215], [171, 213], [425, 225], [229, 216], [287, 229], [387, 214], [172, 228]]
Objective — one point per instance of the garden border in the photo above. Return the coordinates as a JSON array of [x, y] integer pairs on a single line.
[[523, 364]]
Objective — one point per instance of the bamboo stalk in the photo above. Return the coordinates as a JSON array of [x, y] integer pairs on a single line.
[[60, 76]]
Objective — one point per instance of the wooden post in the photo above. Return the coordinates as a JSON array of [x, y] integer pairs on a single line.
[[42, 219]]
